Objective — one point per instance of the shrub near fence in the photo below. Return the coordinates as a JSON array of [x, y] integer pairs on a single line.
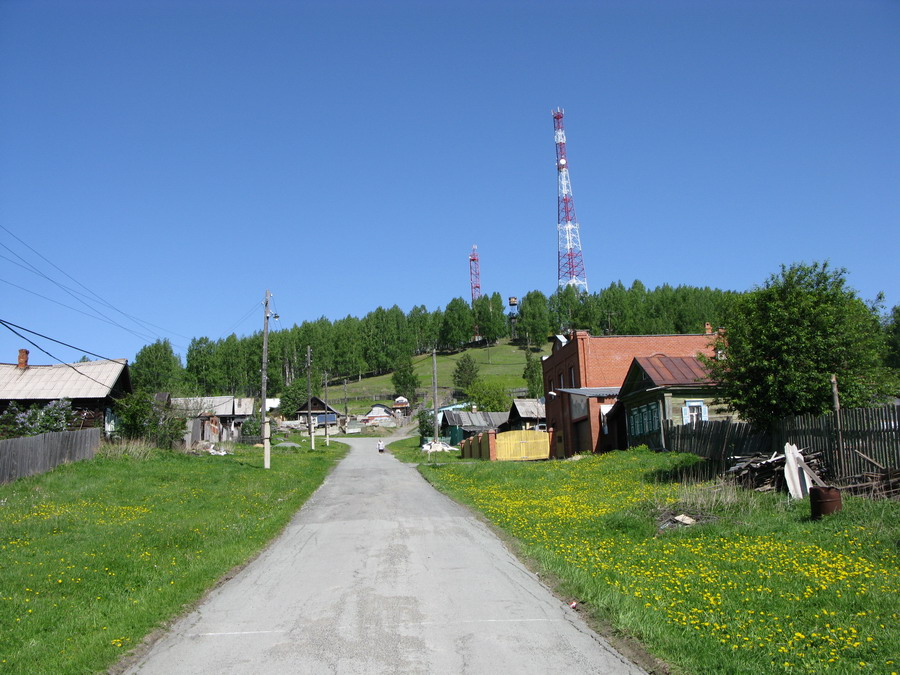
[[31, 455]]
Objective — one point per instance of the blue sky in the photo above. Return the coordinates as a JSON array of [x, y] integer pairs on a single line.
[[177, 158]]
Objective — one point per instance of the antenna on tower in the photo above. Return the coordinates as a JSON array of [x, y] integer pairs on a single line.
[[570, 264], [475, 281], [475, 274]]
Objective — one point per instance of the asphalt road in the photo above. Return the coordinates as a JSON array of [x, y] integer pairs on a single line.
[[380, 573]]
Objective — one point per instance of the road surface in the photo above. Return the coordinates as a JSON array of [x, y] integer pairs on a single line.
[[380, 573]]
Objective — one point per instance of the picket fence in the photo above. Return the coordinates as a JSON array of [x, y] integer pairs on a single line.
[[28, 456]]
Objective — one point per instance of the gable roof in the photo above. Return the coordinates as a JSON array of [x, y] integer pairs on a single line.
[[220, 406], [91, 379], [653, 372], [674, 370], [528, 408], [475, 421]]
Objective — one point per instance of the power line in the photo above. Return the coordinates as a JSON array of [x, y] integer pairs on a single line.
[[56, 358], [138, 321], [59, 342]]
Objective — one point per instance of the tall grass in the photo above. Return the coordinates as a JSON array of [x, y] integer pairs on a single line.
[[96, 554], [755, 586]]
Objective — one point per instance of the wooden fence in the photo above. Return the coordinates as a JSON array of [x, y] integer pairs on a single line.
[[21, 457], [871, 438]]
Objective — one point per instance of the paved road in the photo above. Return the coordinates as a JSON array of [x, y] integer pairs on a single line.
[[379, 573]]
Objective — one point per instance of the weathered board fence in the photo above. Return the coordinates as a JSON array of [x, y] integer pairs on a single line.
[[870, 439], [21, 457]]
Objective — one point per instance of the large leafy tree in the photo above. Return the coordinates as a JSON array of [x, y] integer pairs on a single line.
[[157, 368], [534, 318], [533, 375], [457, 325], [893, 338], [404, 379], [489, 396], [785, 339], [465, 372]]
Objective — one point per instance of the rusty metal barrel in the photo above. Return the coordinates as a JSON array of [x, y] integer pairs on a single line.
[[824, 501]]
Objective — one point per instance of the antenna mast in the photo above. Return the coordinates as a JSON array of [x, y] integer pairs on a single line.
[[475, 274], [570, 265]]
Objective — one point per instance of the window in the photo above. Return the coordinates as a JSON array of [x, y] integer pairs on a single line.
[[694, 411], [643, 419]]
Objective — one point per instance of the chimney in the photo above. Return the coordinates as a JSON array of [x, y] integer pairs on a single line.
[[709, 329], [23, 359]]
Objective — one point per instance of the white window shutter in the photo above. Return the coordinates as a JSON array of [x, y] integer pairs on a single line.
[[704, 413], [685, 415]]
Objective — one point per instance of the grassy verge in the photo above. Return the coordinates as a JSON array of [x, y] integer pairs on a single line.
[[754, 586], [408, 450], [95, 555]]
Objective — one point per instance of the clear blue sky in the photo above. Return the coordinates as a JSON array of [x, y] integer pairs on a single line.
[[178, 157]]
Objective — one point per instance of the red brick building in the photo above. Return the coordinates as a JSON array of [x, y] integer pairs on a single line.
[[582, 377]]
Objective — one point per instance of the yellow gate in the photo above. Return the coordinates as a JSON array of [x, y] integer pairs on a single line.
[[517, 445]]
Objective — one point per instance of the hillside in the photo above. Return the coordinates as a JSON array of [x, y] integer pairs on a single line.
[[503, 361]]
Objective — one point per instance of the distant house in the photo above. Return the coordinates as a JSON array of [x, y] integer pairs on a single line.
[[459, 424], [582, 378], [321, 413], [379, 415], [662, 388], [92, 386], [214, 418], [401, 406], [525, 413]]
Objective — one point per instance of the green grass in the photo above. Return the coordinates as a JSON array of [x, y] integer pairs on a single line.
[[410, 451], [755, 586], [504, 362], [96, 554]]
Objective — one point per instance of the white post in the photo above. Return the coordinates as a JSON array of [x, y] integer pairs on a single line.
[[266, 444]]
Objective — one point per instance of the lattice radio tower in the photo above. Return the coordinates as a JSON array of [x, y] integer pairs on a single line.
[[475, 274], [570, 264]]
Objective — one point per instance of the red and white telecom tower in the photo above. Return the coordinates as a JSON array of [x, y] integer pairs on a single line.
[[475, 274], [570, 265]]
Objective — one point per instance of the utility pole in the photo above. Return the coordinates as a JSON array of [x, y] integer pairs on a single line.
[[312, 435], [327, 440], [836, 399], [345, 402], [434, 391], [264, 422]]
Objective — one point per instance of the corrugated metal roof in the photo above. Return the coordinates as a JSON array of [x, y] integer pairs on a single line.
[[220, 406], [529, 408], [91, 379], [593, 392], [674, 370], [472, 421]]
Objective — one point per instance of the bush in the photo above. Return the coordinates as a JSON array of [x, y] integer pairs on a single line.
[[139, 417], [55, 416]]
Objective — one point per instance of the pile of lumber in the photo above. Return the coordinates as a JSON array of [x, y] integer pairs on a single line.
[[883, 484], [765, 473]]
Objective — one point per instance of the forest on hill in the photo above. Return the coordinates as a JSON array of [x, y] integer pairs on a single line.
[[354, 347]]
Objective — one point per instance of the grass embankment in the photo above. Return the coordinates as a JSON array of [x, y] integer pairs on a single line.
[[755, 586], [504, 362], [95, 555]]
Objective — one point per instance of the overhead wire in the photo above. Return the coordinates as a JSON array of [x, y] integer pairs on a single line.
[[55, 358], [98, 297]]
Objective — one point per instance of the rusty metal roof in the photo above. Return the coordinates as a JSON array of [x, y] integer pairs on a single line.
[[674, 370], [91, 379]]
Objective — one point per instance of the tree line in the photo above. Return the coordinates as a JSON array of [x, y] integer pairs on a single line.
[[354, 347]]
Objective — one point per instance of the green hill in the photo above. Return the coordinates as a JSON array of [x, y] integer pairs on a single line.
[[504, 362]]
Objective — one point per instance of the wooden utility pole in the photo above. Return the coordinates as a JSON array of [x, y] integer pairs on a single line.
[[264, 421], [837, 420], [434, 391], [327, 440], [346, 416], [312, 435]]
